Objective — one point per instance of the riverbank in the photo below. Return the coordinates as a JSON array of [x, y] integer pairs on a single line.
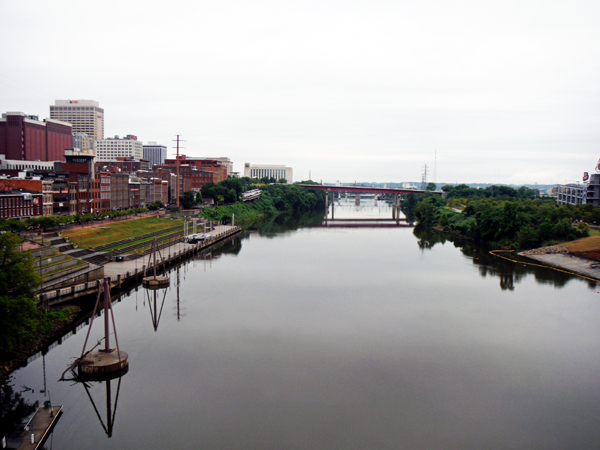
[[24, 353], [580, 256], [127, 271]]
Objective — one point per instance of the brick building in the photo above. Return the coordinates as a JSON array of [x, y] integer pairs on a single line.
[[36, 185], [123, 164], [20, 204], [26, 138], [218, 168], [119, 191]]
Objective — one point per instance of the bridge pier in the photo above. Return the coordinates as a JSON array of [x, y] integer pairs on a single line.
[[357, 199], [332, 206]]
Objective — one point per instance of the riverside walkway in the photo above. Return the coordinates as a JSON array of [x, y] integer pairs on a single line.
[[131, 270]]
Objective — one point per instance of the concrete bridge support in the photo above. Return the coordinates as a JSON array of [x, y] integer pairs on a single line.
[[396, 203], [333, 206], [357, 199]]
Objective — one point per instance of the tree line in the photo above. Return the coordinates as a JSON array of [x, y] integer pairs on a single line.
[[275, 198], [503, 217], [21, 323]]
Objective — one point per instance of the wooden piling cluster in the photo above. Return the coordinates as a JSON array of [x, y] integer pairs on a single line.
[[72, 292]]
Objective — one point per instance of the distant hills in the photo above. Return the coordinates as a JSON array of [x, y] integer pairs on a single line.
[[541, 187]]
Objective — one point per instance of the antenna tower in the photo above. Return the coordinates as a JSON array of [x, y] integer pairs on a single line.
[[435, 169], [424, 178]]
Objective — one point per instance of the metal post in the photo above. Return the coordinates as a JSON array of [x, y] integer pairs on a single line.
[[106, 312]]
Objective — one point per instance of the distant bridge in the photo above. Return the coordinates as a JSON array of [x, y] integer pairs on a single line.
[[367, 189], [396, 200]]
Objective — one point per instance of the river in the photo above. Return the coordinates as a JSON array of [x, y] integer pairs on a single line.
[[341, 338]]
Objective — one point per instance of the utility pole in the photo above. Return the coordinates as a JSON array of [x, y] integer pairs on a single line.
[[177, 166]]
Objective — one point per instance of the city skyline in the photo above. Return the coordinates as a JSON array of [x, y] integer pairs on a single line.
[[368, 91]]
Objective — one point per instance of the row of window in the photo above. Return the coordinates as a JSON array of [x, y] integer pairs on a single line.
[[18, 212]]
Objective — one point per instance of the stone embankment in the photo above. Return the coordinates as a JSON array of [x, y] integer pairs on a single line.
[[551, 250], [565, 260]]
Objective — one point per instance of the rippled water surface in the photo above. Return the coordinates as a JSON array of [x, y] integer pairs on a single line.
[[342, 338]]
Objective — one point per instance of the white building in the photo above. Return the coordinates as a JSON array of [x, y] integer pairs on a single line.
[[271, 171], [155, 153], [112, 148], [84, 143], [85, 116]]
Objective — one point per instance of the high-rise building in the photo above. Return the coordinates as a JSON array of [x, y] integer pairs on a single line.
[[85, 116], [155, 153], [111, 148], [26, 138]]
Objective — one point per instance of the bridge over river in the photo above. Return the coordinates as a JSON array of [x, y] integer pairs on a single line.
[[396, 200]]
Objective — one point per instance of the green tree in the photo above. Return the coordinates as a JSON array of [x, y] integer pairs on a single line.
[[431, 187], [187, 200], [17, 274], [18, 279]]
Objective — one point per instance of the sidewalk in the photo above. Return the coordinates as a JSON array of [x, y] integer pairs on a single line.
[[114, 269]]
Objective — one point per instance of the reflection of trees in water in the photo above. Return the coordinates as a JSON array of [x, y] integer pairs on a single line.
[[428, 237], [230, 247], [13, 409], [271, 226], [509, 272], [410, 216]]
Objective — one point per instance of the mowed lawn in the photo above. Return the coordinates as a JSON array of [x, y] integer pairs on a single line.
[[112, 231]]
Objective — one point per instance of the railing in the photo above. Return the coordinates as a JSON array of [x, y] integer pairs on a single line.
[[92, 286]]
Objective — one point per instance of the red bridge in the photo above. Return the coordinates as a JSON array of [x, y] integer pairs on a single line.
[[396, 201], [366, 189]]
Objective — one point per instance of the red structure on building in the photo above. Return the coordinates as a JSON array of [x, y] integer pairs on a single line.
[[26, 138], [209, 165]]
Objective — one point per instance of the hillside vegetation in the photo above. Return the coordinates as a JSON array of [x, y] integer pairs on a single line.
[[503, 217], [275, 198]]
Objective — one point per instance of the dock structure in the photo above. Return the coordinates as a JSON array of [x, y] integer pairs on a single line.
[[39, 427], [127, 271]]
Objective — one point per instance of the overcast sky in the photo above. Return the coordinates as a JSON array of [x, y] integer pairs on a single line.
[[503, 91]]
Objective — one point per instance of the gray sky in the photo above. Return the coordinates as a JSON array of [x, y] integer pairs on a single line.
[[505, 91]]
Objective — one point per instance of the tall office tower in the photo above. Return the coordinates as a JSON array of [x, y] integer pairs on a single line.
[[112, 148], [85, 116], [155, 153]]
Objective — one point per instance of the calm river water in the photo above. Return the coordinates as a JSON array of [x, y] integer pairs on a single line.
[[342, 338]]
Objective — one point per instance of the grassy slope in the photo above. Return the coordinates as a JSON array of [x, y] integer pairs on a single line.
[[107, 232]]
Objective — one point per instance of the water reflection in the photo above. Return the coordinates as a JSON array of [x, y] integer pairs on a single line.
[[427, 238], [14, 410], [510, 273], [273, 226], [110, 404], [152, 295], [347, 338]]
